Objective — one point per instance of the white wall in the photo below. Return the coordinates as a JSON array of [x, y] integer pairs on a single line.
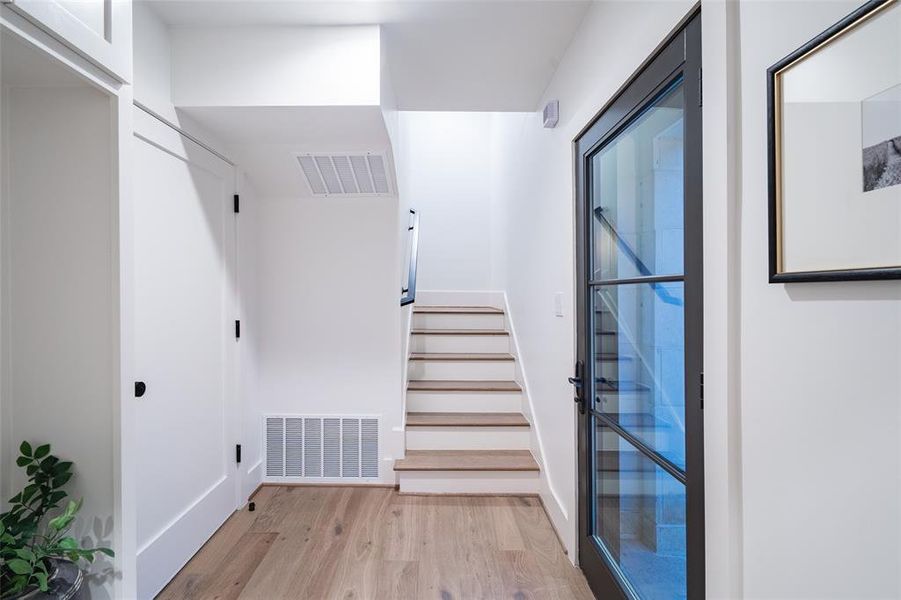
[[533, 219], [820, 382], [328, 313], [276, 66], [444, 173], [60, 315]]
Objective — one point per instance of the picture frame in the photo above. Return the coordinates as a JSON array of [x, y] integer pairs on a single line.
[[832, 117]]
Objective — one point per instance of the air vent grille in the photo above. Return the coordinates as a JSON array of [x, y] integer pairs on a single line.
[[345, 174], [321, 447]]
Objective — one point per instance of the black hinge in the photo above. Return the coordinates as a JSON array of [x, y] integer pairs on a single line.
[[237, 203], [702, 391], [237, 330], [237, 453], [700, 88]]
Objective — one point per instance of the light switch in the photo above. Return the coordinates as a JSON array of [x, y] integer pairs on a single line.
[[558, 304]]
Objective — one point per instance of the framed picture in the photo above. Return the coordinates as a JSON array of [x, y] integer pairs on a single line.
[[835, 152]]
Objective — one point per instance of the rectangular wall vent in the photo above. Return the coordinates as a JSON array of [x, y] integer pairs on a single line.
[[321, 447], [345, 174]]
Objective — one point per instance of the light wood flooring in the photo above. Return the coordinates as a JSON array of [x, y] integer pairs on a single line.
[[359, 543]]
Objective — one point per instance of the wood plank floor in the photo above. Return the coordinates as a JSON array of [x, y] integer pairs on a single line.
[[360, 543]]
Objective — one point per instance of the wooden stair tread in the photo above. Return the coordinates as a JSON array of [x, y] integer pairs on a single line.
[[467, 460], [459, 332], [457, 356], [426, 385], [613, 357], [457, 310], [444, 419]]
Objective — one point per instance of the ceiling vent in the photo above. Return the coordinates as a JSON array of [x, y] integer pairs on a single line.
[[345, 174]]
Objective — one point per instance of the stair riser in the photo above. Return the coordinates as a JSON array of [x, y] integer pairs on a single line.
[[464, 402], [627, 402], [469, 482], [493, 370], [460, 343], [625, 370], [458, 321], [610, 439], [468, 438]]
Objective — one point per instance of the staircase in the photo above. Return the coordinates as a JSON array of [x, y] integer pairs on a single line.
[[465, 431]]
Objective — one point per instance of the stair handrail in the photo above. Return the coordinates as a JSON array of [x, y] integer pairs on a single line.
[[408, 292], [661, 291]]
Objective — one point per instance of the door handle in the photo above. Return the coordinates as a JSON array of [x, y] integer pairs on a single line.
[[577, 382]]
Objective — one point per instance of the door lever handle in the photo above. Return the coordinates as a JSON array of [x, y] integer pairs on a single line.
[[576, 382]]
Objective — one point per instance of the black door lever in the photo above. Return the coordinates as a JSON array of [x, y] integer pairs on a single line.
[[576, 382]]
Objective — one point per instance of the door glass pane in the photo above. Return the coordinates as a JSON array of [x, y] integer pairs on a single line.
[[639, 517], [637, 193], [639, 355]]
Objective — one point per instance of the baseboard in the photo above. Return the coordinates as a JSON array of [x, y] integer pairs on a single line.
[[553, 525], [473, 494], [557, 515], [342, 485], [162, 557]]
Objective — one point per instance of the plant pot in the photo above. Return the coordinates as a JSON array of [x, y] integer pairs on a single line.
[[65, 583]]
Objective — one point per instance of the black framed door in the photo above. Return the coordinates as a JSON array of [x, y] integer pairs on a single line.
[[639, 305]]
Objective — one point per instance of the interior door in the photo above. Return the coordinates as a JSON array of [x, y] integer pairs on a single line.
[[640, 333], [99, 30], [184, 242]]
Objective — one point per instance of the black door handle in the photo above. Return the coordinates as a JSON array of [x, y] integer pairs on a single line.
[[577, 382], [140, 388]]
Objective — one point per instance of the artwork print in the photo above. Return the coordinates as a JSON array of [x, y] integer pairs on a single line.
[[881, 139]]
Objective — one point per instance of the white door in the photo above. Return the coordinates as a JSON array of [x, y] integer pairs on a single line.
[[184, 242], [99, 30]]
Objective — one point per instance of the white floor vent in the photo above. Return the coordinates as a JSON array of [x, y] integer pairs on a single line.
[[321, 447]]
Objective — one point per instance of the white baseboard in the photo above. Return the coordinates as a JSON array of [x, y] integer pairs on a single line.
[[562, 521], [159, 559]]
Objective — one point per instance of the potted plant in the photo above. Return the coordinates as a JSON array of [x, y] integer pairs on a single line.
[[38, 557]]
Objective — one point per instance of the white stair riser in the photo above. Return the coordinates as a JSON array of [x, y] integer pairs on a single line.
[[610, 440], [468, 482], [468, 438], [464, 401], [457, 321], [627, 402], [460, 343], [621, 370], [460, 370]]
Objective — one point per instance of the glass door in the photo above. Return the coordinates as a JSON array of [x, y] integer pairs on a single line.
[[639, 379]]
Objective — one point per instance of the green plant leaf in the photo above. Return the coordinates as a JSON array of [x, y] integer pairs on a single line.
[[42, 581], [107, 551], [59, 467], [61, 522], [23, 461], [61, 479], [25, 449], [42, 451], [19, 566], [68, 543], [25, 554]]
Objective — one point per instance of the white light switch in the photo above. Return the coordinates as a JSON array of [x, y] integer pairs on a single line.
[[558, 304]]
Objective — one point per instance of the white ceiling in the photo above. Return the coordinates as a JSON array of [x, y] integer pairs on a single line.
[[493, 55], [265, 140]]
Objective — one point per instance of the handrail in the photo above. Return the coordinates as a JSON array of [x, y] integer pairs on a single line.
[[408, 294], [661, 291]]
